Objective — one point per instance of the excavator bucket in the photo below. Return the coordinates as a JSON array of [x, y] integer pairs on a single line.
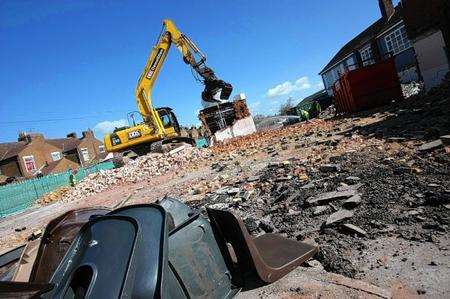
[[216, 90]]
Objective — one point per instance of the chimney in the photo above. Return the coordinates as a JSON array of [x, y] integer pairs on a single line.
[[88, 133], [387, 8], [29, 137]]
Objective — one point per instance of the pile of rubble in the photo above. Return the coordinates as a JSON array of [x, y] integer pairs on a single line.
[[412, 89], [139, 170], [379, 173], [357, 195], [53, 196]]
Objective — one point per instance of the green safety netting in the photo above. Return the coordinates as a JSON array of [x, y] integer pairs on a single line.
[[18, 196]]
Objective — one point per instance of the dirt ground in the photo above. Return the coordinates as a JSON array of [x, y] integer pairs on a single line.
[[270, 178]]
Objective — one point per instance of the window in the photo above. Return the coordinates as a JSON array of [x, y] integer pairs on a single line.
[[351, 65], [367, 56], [56, 156], [30, 165], [85, 153], [166, 121], [397, 41], [101, 148]]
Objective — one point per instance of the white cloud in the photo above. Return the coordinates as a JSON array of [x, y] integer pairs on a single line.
[[107, 126], [273, 103], [320, 85], [255, 105], [289, 87]]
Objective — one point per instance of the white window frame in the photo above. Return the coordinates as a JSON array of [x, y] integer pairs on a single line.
[[25, 163], [351, 64], [367, 55], [56, 156], [85, 154], [101, 148], [397, 41]]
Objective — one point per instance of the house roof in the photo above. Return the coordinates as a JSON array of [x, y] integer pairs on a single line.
[[364, 37], [65, 144], [11, 149], [311, 98], [50, 166]]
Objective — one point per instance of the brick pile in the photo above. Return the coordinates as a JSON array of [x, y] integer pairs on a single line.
[[140, 169]]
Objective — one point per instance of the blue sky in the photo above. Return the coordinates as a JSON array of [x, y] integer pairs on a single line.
[[70, 65]]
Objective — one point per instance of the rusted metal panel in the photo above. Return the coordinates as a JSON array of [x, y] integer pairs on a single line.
[[372, 86], [266, 258]]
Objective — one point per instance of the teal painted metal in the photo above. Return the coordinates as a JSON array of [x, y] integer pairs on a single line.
[[201, 142], [17, 197]]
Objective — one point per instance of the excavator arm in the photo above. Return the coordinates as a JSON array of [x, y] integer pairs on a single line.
[[215, 89]]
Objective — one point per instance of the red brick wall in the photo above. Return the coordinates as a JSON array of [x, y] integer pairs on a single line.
[[41, 151], [92, 145]]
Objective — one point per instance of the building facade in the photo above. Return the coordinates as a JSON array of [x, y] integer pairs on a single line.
[[385, 38], [33, 154], [428, 27]]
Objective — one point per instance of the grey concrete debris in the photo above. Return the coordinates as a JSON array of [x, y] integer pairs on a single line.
[[354, 229], [221, 191], [430, 146], [445, 139], [233, 191], [314, 264], [324, 198], [253, 178], [266, 225], [352, 202], [307, 186], [338, 216], [219, 206], [330, 167], [319, 210], [345, 187], [352, 180]]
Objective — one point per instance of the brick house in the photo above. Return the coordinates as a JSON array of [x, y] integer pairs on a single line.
[[32, 153], [80, 150], [385, 37]]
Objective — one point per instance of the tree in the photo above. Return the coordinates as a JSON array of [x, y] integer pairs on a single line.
[[286, 107]]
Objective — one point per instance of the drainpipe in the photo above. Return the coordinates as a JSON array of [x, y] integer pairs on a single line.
[[80, 157]]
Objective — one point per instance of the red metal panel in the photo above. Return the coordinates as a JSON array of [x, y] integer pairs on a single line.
[[372, 86]]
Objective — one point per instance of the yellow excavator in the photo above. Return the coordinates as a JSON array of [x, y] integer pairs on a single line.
[[160, 125]]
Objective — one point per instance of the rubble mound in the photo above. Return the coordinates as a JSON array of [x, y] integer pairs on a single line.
[[352, 179], [138, 170]]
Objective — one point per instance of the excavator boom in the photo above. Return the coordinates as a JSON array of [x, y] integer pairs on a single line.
[[192, 56], [160, 124]]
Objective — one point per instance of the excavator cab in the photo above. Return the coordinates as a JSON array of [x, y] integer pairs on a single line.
[[168, 118], [128, 139]]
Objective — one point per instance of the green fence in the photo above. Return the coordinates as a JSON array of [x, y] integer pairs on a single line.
[[18, 196]]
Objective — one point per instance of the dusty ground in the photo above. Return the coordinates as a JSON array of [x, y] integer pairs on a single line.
[[269, 179]]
